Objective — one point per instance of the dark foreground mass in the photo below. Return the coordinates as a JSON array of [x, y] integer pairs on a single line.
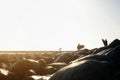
[[103, 64], [97, 64]]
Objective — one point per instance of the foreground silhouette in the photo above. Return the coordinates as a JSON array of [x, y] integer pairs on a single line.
[[102, 65]]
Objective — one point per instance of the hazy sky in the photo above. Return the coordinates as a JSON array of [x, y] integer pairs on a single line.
[[54, 24]]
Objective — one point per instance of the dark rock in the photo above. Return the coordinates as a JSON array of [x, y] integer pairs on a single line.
[[21, 67], [65, 57], [84, 70], [6, 75], [93, 57], [114, 43], [114, 54], [57, 65], [103, 64]]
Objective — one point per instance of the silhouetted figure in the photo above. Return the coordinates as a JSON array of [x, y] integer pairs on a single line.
[[79, 47], [105, 42]]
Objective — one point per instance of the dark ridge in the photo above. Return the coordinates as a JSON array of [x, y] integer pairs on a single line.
[[114, 43]]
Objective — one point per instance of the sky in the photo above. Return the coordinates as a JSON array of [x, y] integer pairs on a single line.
[[54, 24]]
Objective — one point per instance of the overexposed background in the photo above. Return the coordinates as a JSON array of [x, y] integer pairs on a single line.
[[54, 24]]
